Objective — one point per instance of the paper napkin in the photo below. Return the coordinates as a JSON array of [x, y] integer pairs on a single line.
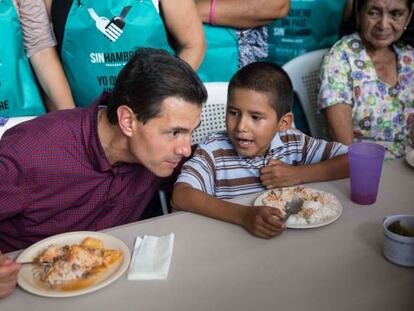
[[151, 258]]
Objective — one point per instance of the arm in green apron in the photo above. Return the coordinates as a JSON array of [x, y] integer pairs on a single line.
[[39, 44], [243, 13], [49, 72], [183, 22]]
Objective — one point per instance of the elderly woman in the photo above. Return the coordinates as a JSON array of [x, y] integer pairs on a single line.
[[367, 78]]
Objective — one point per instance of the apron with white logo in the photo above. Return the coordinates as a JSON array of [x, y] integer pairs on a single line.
[[100, 37], [221, 60], [19, 94], [310, 25]]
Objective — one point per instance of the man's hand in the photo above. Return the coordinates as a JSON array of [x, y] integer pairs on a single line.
[[278, 174], [8, 275], [263, 221]]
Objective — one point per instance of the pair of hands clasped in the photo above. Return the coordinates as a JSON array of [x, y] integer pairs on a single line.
[[263, 221]]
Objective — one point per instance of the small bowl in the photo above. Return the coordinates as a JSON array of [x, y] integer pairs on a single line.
[[399, 249]]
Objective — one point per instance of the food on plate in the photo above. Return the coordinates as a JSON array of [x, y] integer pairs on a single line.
[[74, 266], [318, 206]]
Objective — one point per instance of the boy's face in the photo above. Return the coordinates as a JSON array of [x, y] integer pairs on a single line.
[[252, 122]]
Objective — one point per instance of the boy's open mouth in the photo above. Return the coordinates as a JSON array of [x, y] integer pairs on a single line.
[[244, 142]]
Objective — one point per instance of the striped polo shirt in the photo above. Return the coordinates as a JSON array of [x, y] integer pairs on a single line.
[[217, 169]]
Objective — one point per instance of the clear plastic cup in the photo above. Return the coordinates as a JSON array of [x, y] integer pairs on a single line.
[[365, 165]]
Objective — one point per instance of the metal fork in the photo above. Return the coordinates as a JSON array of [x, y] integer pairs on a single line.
[[43, 263], [104, 25], [293, 207]]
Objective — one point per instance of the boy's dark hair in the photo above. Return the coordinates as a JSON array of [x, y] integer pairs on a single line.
[[267, 78], [151, 76]]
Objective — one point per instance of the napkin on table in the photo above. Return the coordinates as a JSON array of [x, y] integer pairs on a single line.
[[151, 258]]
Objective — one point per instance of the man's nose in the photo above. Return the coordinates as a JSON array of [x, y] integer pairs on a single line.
[[184, 148]]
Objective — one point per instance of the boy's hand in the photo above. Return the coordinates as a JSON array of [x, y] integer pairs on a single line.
[[278, 174], [263, 221]]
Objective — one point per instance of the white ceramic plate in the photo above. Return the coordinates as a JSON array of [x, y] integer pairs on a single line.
[[259, 201], [26, 280], [409, 157]]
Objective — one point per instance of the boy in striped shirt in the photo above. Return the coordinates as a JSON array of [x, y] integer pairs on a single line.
[[260, 150]]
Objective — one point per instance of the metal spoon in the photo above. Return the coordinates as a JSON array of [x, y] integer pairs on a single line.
[[293, 207]]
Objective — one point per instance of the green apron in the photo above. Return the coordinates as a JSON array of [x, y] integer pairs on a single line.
[[221, 60], [101, 37], [19, 94], [310, 25]]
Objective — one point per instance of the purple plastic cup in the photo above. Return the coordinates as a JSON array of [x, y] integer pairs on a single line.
[[365, 165]]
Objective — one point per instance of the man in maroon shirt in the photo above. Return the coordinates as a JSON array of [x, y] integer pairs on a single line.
[[97, 167]]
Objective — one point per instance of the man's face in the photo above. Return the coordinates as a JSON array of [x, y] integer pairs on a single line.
[[163, 141], [251, 122]]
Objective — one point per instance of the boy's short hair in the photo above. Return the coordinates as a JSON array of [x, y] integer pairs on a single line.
[[151, 76], [267, 78]]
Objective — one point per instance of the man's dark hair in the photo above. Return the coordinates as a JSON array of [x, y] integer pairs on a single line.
[[151, 76], [267, 78]]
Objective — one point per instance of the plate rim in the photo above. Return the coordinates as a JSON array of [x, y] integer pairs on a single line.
[[74, 234], [308, 226]]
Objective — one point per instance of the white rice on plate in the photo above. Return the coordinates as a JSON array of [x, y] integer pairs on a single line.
[[318, 206]]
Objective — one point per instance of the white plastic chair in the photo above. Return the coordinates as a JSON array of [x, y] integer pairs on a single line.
[[213, 116], [304, 73], [213, 120], [12, 122]]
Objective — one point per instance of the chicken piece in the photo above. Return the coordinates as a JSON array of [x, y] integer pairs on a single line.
[[84, 257], [111, 256], [72, 266], [77, 263], [92, 243]]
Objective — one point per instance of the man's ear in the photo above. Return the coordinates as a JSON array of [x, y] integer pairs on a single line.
[[285, 122], [126, 119]]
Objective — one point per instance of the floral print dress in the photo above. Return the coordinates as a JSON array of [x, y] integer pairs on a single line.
[[253, 45], [380, 112]]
